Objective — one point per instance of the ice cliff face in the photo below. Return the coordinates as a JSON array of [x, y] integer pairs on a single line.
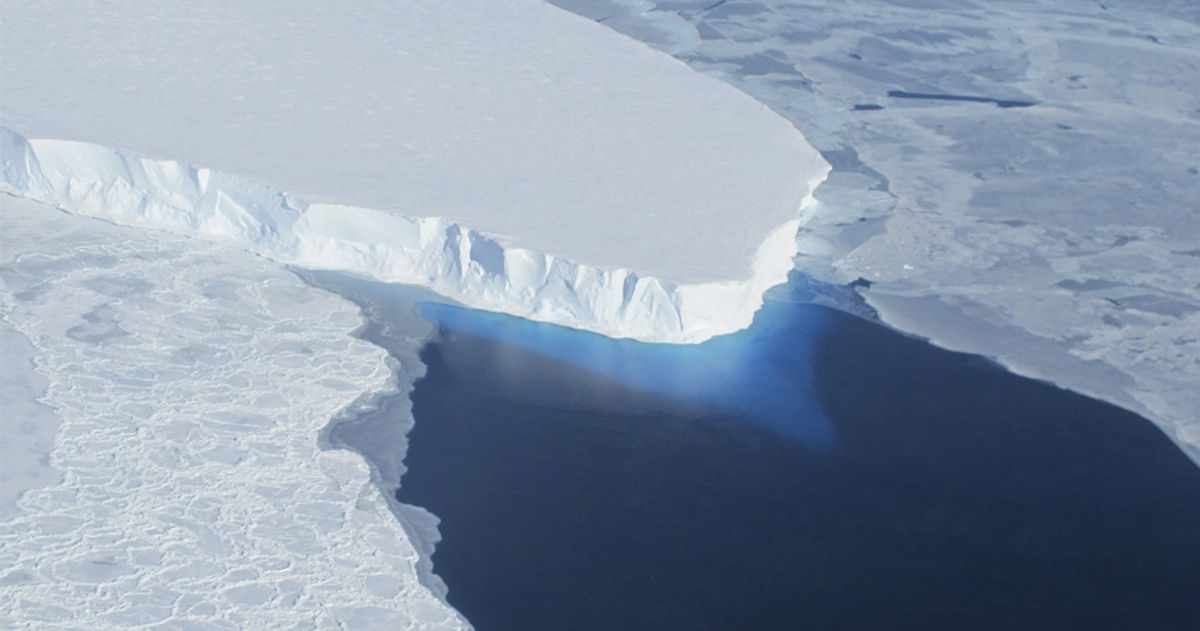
[[454, 260], [508, 154]]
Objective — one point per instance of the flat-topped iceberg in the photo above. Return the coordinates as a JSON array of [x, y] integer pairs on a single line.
[[509, 155]]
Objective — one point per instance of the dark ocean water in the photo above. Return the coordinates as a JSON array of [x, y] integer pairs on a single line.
[[814, 472]]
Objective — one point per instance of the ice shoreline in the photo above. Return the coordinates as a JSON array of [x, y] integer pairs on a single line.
[[1026, 355], [453, 260], [376, 426], [1058, 239], [194, 384]]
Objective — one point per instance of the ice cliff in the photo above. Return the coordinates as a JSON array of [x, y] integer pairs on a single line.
[[186, 386], [454, 260], [508, 154]]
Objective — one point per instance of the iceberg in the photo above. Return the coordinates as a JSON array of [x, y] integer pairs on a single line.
[[509, 155]]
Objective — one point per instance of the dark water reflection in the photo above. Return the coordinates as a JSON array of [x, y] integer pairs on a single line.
[[817, 472]]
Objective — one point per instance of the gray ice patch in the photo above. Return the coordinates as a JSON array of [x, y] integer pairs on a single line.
[[99, 326]]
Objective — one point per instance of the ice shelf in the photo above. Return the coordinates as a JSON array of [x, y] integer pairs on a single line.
[[510, 155]]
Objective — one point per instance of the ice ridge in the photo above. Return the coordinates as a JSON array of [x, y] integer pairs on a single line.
[[466, 265]]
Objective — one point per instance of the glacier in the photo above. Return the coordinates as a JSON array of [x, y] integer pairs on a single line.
[[460, 263], [510, 155], [179, 385]]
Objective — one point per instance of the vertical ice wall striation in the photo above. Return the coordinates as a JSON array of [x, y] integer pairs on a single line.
[[463, 264], [514, 155]]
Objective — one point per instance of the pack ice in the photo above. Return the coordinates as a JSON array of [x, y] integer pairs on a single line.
[[507, 154], [186, 385]]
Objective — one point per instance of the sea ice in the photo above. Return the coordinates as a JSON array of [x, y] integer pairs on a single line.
[[194, 491], [27, 435], [1061, 238]]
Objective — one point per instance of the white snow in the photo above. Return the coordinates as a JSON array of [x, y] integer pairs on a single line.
[[504, 153], [192, 381], [584, 178], [1062, 239], [27, 434]]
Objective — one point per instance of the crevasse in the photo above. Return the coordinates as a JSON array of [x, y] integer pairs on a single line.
[[462, 264]]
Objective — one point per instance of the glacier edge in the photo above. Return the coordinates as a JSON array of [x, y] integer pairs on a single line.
[[453, 260]]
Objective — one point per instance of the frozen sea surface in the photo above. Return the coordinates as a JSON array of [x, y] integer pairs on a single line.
[[1062, 238], [185, 385]]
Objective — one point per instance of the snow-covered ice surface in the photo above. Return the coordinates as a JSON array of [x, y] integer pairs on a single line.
[[506, 154], [28, 429], [1059, 233], [509, 154], [192, 382]]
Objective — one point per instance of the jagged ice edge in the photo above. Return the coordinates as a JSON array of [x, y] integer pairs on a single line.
[[465, 265]]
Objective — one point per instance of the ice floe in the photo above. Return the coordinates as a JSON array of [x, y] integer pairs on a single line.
[[192, 382]]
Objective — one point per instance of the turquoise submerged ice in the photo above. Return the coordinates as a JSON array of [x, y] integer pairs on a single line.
[[745, 377]]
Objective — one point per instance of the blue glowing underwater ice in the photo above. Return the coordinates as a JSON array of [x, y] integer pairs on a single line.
[[763, 375]]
